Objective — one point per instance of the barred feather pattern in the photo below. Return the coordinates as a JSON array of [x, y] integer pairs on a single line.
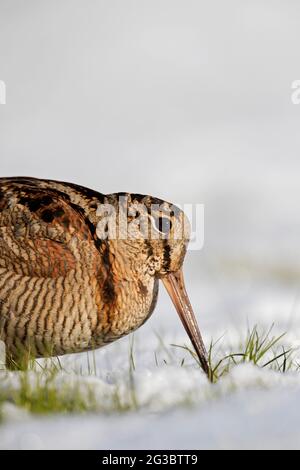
[[61, 289]]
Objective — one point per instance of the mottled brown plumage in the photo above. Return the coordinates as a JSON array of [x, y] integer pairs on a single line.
[[63, 287]]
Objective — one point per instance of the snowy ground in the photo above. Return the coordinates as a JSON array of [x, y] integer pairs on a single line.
[[253, 418], [178, 408]]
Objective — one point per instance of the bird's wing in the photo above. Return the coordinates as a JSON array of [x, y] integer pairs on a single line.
[[42, 232]]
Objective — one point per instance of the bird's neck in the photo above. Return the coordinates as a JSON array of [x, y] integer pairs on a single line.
[[128, 292], [126, 261]]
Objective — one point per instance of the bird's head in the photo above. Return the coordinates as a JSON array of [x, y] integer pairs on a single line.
[[156, 233]]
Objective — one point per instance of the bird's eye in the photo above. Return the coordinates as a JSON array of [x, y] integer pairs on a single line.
[[163, 224]]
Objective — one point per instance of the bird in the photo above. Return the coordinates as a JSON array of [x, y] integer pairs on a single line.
[[80, 269]]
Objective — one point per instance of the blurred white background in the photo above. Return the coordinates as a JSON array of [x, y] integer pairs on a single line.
[[189, 101]]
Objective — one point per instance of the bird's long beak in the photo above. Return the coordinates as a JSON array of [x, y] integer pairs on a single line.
[[174, 283]]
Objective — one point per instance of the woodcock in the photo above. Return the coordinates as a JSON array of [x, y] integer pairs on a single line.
[[73, 277]]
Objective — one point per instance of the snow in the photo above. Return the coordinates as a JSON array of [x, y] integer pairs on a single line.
[[178, 408], [262, 413]]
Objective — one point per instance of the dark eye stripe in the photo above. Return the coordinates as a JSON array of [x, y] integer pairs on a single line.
[[163, 224], [167, 255]]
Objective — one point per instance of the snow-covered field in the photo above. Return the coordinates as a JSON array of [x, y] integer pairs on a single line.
[[253, 417], [177, 407]]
